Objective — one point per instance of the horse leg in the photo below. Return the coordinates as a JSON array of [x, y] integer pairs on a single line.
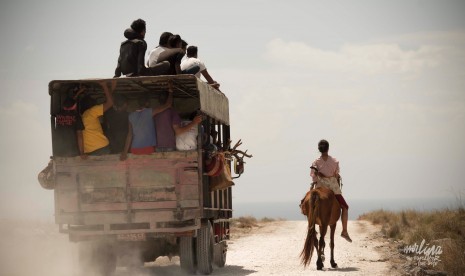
[[321, 248], [331, 245]]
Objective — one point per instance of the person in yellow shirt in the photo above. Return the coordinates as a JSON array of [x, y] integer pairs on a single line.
[[95, 141]]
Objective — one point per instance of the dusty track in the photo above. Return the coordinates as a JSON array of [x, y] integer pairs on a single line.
[[269, 250]]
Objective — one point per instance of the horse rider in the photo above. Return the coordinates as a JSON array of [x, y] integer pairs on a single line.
[[325, 172]]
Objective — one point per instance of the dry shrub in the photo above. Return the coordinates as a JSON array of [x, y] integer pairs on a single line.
[[378, 217], [267, 219], [394, 231], [453, 258], [441, 227], [245, 222]]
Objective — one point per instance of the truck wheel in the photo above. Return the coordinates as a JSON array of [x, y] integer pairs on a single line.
[[205, 249], [187, 254], [220, 254], [86, 263], [106, 259]]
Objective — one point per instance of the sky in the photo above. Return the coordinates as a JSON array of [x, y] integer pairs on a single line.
[[382, 81]]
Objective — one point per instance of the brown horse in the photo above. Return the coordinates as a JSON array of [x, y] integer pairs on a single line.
[[321, 207]]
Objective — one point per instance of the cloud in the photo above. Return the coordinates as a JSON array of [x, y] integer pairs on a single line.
[[365, 59], [385, 126], [30, 48]]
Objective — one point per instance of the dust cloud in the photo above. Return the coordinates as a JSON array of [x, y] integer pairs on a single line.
[[35, 247]]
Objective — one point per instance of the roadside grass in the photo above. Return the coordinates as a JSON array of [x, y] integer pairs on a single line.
[[242, 226], [445, 228], [250, 222]]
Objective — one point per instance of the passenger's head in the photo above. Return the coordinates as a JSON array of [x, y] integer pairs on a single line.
[[192, 51], [87, 102], [120, 102], [175, 41], [139, 27], [69, 103], [143, 100], [323, 146], [164, 37]]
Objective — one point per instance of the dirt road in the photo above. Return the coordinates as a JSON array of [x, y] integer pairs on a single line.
[[275, 249], [270, 250]]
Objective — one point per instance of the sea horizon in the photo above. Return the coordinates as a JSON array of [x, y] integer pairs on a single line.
[[289, 210]]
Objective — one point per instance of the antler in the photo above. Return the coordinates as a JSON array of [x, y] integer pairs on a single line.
[[235, 152], [237, 145], [244, 154]]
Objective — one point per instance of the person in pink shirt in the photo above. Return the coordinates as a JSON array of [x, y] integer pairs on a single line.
[[325, 172]]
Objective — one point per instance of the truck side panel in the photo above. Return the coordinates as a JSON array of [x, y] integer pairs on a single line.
[[154, 193]]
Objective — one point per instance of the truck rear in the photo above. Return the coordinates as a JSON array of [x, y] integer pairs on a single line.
[[163, 204]]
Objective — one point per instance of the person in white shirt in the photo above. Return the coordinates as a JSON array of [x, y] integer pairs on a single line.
[[162, 46], [192, 61]]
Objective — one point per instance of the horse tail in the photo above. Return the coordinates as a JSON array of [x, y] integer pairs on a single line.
[[307, 251]]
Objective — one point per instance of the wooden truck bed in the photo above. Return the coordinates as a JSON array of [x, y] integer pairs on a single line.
[[158, 193]]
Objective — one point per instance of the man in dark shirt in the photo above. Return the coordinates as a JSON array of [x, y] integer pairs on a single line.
[[132, 54], [67, 132], [116, 119]]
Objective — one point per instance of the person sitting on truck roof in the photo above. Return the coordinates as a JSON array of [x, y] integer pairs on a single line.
[[116, 122], [142, 138], [173, 54], [168, 125], [95, 141], [192, 61], [132, 54], [68, 128], [162, 46], [193, 69]]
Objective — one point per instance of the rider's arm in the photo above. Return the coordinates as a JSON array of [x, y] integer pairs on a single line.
[[336, 174], [313, 173]]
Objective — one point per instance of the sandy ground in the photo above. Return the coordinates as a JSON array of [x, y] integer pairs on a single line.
[[272, 249]]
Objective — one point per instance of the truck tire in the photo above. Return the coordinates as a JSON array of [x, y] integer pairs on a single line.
[[187, 254], [107, 260], [219, 255], [85, 257], [205, 249]]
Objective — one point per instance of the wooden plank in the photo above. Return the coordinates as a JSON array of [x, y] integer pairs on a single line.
[[189, 178], [66, 200], [143, 177], [154, 205], [100, 207], [189, 203], [189, 192], [147, 194]]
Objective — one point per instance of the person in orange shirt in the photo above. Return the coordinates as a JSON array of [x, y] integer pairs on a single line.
[[95, 141]]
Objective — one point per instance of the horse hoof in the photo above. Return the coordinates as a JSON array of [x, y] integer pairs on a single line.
[[319, 268], [334, 265]]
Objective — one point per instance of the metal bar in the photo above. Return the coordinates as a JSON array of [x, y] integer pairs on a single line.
[[183, 86]]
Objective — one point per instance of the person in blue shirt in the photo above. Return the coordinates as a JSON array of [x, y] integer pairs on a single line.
[[142, 137]]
